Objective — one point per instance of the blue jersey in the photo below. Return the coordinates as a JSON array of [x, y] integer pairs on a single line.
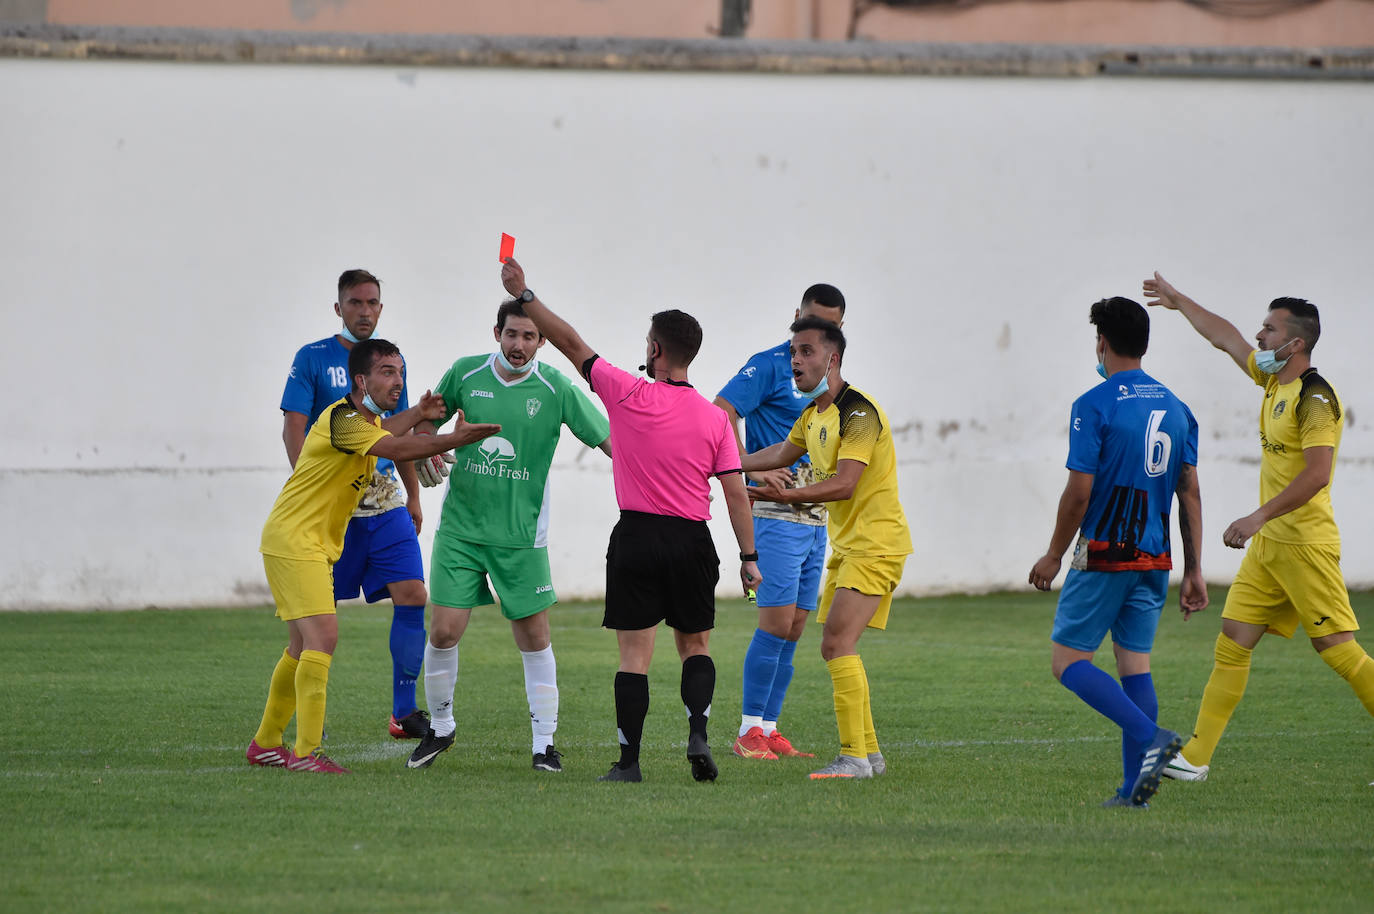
[[319, 376], [766, 397], [1133, 435]]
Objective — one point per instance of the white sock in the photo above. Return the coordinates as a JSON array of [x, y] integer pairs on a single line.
[[769, 727], [541, 689], [748, 722], [441, 676]]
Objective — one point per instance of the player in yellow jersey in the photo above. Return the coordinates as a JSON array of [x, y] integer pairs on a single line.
[[1291, 573], [304, 535], [849, 440]]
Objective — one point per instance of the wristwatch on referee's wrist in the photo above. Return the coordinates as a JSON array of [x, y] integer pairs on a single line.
[[749, 556], [526, 296]]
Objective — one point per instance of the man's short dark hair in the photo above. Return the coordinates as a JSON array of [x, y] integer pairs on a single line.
[[679, 335], [1305, 321], [350, 278], [365, 354], [829, 331], [1124, 324], [825, 295], [510, 307]]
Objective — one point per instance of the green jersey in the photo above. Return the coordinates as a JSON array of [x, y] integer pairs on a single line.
[[498, 490]]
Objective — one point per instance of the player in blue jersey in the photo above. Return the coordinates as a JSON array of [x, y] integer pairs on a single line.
[[790, 539], [1132, 448], [381, 553]]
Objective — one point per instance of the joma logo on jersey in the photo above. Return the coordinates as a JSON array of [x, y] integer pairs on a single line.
[[1279, 408], [482, 393], [532, 406]]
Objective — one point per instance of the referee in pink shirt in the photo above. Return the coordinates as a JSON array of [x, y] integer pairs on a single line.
[[667, 441]]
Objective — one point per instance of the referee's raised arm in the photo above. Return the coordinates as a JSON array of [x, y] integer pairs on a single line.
[[556, 330]]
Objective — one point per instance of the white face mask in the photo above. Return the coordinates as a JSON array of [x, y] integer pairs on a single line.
[[1267, 361], [513, 369]]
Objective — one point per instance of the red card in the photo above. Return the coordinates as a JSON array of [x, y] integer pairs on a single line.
[[507, 247]]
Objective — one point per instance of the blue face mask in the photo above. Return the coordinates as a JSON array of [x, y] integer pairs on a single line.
[[505, 363], [372, 404], [1267, 361], [1102, 370], [348, 335], [820, 388]]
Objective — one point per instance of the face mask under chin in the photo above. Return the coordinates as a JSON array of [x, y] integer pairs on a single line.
[[513, 369]]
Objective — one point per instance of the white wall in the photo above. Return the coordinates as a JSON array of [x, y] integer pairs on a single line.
[[171, 235]]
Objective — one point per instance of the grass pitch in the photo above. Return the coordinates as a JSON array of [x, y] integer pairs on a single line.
[[124, 786]]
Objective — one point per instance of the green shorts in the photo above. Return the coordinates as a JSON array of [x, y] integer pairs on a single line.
[[459, 570]]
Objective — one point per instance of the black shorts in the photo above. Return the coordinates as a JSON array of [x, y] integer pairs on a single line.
[[661, 569]]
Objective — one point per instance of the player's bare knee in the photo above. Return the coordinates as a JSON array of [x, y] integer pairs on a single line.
[[1326, 641], [408, 593], [445, 628], [532, 632]]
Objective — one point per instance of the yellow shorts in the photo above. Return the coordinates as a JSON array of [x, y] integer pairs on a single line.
[[1281, 584], [300, 587], [872, 575]]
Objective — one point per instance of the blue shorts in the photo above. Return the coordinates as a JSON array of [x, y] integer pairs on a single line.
[[1126, 603], [791, 558], [378, 551]]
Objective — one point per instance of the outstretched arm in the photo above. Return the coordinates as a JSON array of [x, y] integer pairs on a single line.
[[836, 488], [780, 477], [1073, 504], [415, 447], [782, 454], [1215, 329], [556, 330], [1193, 595]]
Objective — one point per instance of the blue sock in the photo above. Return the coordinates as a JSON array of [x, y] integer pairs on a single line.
[[407, 654], [781, 680], [1140, 689], [760, 668], [1104, 695]]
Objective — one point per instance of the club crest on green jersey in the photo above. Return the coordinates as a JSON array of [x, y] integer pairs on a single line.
[[532, 406]]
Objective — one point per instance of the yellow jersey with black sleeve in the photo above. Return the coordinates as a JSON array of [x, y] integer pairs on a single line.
[[1301, 414], [332, 473], [853, 427]]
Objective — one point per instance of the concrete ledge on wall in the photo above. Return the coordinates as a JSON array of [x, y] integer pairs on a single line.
[[707, 55]]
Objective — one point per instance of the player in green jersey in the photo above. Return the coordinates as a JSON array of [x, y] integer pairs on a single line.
[[494, 523]]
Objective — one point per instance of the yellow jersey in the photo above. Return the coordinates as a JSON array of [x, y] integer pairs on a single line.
[[1301, 414], [871, 521], [332, 473]]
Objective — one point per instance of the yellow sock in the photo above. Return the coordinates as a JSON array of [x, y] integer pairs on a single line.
[[1224, 688], [870, 735], [312, 680], [1350, 661], [847, 674], [281, 703]]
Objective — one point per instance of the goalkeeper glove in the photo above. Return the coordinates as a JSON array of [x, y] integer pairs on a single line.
[[432, 470]]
